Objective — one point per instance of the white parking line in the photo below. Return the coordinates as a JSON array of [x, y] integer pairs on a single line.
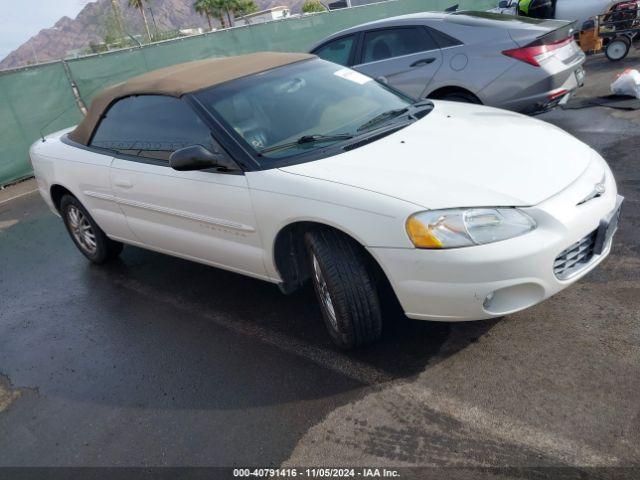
[[332, 360], [18, 196], [510, 430], [496, 426]]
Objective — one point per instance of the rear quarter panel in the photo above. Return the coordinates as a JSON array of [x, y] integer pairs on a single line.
[[475, 64], [83, 173]]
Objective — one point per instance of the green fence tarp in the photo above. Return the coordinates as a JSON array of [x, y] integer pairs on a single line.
[[33, 101], [40, 99]]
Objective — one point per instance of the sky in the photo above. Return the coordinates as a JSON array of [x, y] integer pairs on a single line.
[[21, 20]]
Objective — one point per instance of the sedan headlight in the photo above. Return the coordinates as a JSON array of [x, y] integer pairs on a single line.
[[466, 227]]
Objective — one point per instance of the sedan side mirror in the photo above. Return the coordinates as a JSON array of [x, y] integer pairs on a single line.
[[504, 4], [197, 157]]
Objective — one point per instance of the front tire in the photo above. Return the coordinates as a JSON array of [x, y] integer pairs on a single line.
[[85, 232], [345, 288]]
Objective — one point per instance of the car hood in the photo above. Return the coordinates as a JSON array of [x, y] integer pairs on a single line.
[[461, 156]]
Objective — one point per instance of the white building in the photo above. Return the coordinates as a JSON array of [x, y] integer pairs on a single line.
[[191, 31], [275, 13]]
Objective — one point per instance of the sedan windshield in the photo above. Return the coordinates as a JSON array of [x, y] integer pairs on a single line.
[[294, 110]]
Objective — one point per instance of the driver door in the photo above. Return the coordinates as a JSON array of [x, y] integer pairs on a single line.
[[199, 215]]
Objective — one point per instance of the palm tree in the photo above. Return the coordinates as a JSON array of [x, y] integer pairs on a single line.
[[226, 6], [139, 4], [212, 8], [202, 7]]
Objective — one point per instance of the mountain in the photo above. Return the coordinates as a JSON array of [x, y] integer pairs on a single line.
[[93, 23]]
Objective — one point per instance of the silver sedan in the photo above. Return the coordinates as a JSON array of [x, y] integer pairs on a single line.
[[515, 63]]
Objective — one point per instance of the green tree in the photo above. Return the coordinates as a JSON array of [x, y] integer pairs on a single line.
[[244, 7], [139, 4], [202, 7], [111, 27], [312, 6], [212, 9]]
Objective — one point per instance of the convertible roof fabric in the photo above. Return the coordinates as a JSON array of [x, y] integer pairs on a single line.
[[179, 79]]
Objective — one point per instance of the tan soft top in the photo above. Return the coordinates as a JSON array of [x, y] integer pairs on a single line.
[[179, 79]]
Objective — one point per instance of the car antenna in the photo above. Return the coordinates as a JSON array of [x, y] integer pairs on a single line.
[[42, 129], [452, 8]]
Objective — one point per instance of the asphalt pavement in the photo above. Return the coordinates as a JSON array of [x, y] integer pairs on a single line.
[[156, 361]]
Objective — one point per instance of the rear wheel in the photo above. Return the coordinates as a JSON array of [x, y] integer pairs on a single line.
[[345, 287], [86, 234], [618, 48]]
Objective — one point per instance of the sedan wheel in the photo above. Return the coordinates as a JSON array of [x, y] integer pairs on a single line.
[[85, 232], [82, 231], [345, 287]]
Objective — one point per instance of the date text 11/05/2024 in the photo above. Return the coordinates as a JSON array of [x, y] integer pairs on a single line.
[[316, 472]]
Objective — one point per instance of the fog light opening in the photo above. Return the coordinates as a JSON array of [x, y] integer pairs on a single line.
[[487, 301], [514, 298]]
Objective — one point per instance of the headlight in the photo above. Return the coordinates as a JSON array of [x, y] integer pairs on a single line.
[[466, 227]]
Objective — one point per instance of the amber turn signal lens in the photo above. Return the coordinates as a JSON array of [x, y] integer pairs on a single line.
[[421, 235]]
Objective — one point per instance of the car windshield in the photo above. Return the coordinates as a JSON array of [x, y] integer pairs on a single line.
[[294, 110]]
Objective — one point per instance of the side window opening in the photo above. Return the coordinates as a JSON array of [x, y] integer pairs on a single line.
[[337, 51], [395, 42], [151, 126]]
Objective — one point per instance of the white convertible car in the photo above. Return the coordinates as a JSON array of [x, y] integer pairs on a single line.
[[288, 168]]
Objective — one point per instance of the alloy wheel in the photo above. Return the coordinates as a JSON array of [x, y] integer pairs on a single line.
[[324, 294], [81, 230]]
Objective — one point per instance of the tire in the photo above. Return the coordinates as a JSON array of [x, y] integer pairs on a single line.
[[618, 48], [85, 232], [345, 288], [461, 97]]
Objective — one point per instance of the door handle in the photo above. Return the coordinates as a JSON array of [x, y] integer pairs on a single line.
[[122, 183], [423, 61]]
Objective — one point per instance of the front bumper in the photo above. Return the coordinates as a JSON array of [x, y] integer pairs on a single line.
[[501, 278]]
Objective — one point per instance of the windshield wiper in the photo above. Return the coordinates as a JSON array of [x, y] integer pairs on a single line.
[[420, 109], [384, 116], [307, 139]]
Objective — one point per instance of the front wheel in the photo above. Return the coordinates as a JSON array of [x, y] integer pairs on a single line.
[[345, 288], [85, 232], [618, 48]]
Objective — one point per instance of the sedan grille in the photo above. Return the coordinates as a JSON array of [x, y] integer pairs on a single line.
[[576, 257]]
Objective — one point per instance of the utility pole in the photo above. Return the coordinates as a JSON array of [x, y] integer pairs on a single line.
[[153, 18], [35, 55]]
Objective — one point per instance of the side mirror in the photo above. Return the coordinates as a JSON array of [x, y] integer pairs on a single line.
[[504, 4], [197, 157]]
